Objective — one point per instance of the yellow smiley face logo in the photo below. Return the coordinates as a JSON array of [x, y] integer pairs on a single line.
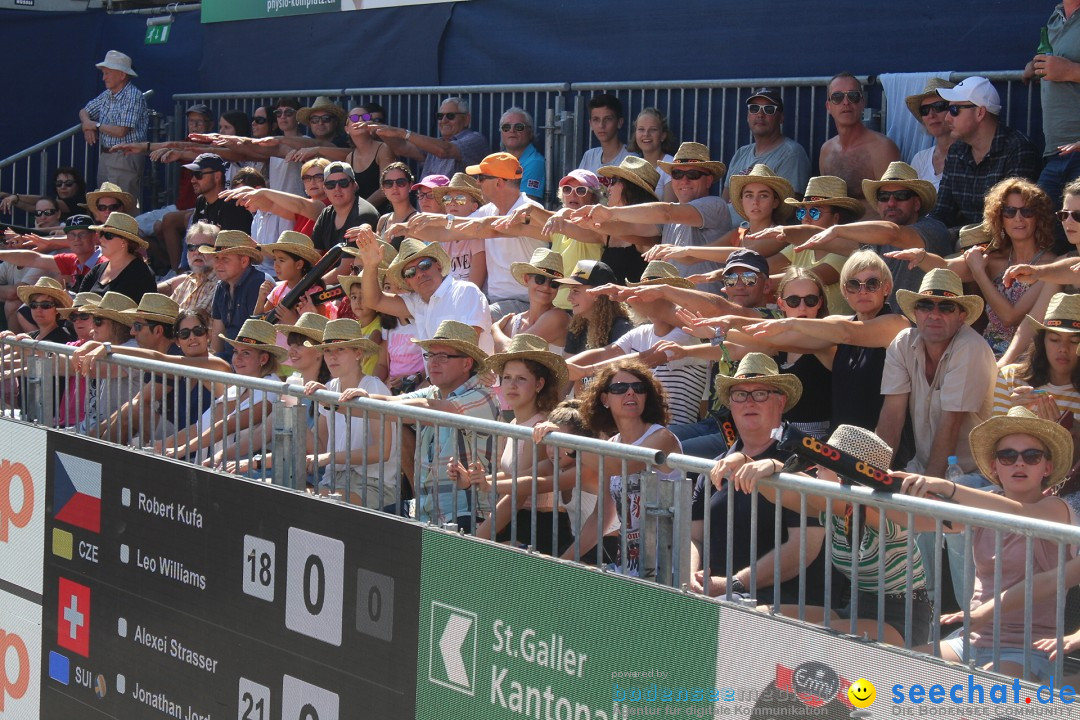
[[862, 693]]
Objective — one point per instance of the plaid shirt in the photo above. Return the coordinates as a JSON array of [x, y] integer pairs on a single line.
[[126, 108], [964, 183], [196, 291]]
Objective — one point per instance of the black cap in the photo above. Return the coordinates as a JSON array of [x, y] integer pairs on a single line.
[[590, 272], [747, 259], [78, 222], [771, 93], [200, 108], [208, 161]]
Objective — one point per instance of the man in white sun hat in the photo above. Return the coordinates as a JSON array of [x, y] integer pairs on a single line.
[[116, 116]]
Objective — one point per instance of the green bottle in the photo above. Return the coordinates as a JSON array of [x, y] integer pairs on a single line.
[[1045, 48]]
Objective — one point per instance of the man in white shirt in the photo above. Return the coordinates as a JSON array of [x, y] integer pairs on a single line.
[[606, 120]]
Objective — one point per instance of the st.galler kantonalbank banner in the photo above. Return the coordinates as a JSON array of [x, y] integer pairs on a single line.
[[225, 10]]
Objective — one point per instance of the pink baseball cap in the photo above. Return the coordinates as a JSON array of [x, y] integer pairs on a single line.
[[586, 177], [432, 181]]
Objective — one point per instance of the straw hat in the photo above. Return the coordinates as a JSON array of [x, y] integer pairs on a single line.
[[940, 283], [1062, 315], [309, 325], [294, 243], [344, 333], [635, 170], [525, 346], [762, 174], [863, 444], [760, 368], [900, 173], [827, 190], [974, 234], [692, 155], [389, 254], [124, 226], [155, 307], [914, 102], [83, 301], [460, 183], [234, 242], [984, 438], [112, 307], [110, 190], [411, 249], [45, 286], [459, 336], [658, 272], [257, 334], [322, 103], [544, 261]]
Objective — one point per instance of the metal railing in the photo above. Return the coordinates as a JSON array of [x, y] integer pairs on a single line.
[[273, 420]]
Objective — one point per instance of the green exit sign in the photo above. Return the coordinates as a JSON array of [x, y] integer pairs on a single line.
[[157, 34]]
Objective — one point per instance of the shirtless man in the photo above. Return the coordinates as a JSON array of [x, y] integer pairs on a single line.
[[857, 153]]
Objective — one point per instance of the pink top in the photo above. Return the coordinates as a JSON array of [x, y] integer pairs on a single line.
[[544, 501]]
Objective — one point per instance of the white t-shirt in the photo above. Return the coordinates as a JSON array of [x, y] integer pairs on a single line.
[[683, 380], [592, 160], [502, 251], [664, 177], [923, 162], [358, 433], [453, 300]]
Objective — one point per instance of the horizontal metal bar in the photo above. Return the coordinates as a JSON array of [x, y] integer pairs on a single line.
[[708, 84], [260, 94], [461, 89]]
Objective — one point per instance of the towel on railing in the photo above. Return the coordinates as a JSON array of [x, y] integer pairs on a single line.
[[900, 125]]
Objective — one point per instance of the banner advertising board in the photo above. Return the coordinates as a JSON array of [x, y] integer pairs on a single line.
[[226, 10]]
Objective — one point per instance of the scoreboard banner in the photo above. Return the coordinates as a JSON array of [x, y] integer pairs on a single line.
[[226, 10]]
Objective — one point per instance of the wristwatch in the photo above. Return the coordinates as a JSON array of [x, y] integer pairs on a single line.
[[108, 348], [97, 126], [449, 222]]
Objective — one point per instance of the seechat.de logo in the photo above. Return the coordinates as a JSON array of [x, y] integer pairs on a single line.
[[13, 647], [15, 512]]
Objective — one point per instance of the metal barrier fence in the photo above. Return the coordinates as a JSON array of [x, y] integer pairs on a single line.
[[243, 419]]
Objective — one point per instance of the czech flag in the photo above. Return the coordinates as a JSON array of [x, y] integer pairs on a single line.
[[77, 492]]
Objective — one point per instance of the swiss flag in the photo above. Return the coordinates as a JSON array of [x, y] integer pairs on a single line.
[[73, 617]]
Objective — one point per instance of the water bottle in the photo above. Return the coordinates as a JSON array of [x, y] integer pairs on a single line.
[[1045, 48], [954, 471]]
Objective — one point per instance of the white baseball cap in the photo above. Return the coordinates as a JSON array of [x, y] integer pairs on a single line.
[[975, 90]]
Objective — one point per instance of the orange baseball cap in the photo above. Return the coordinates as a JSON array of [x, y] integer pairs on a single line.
[[501, 165]]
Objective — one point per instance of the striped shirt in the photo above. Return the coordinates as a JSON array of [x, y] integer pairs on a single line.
[[1066, 396], [683, 380], [896, 556], [126, 108]]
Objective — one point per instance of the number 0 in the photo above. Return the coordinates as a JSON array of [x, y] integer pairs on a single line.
[[314, 566], [374, 603]]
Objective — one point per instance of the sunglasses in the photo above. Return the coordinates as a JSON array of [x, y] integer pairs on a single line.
[[446, 116], [399, 182], [947, 307], [749, 279], [853, 96], [195, 248], [935, 107], [112, 236], [99, 321], [1064, 215], [259, 121], [198, 174], [755, 108], [311, 178], [792, 301], [620, 388], [454, 199], [421, 195], [516, 127], [898, 195], [284, 112], [79, 317], [41, 305], [542, 280], [321, 119], [64, 183], [1030, 456], [45, 213], [677, 174], [442, 357], [814, 213], [138, 325], [482, 178], [343, 183], [1010, 211], [110, 207], [854, 286], [198, 331], [579, 190], [422, 266], [740, 396], [954, 110], [355, 117]]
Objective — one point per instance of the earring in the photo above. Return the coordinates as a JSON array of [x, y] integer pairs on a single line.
[[606, 406]]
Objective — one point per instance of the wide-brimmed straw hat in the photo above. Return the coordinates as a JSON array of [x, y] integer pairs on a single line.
[[635, 170], [544, 261], [525, 346], [410, 250], [941, 284], [984, 438], [692, 155], [974, 234], [257, 334], [902, 174], [389, 253], [1062, 315], [862, 444], [658, 272], [460, 183], [294, 243], [324, 104], [124, 225], [45, 286], [760, 368], [234, 242], [110, 190], [914, 102], [763, 174], [112, 307], [827, 190], [344, 333], [310, 325], [155, 307], [459, 336], [82, 301]]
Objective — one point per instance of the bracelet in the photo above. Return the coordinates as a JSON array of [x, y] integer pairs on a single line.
[[953, 494], [408, 134], [147, 146]]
